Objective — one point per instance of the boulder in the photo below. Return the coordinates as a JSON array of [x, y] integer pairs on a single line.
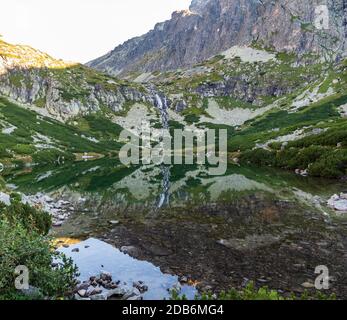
[[82, 293], [105, 276], [101, 296], [116, 293], [341, 205]]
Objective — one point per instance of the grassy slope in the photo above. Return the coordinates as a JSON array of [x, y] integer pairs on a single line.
[[283, 73], [329, 160], [291, 80], [323, 154], [65, 139]]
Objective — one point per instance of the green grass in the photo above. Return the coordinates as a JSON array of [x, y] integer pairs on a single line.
[[67, 138], [16, 79], [231, 103], [327, 83], [41, 102], [76, 174], [250, 292], [259, 130], [99, 126], [193, 114], [322, 155]]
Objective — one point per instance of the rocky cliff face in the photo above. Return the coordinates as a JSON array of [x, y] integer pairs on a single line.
[[62, 90], [211, 26]]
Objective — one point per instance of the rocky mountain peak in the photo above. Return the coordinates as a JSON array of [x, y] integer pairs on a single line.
[[23, 56], [212, 26], [198, 6]]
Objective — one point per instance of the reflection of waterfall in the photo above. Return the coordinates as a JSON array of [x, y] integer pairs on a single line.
[[162, 105], [164, 197]]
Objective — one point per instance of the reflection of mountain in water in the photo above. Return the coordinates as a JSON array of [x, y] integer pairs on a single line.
[[109, 186], [183, 220], [164, 198], [157, 186]]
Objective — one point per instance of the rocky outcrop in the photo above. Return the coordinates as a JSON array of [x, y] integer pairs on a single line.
[[65, 90], [243, 90], [212, 26]]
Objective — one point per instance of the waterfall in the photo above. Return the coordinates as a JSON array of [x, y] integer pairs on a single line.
[[162, 105]]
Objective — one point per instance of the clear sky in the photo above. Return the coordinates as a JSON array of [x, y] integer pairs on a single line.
[[81, 30]]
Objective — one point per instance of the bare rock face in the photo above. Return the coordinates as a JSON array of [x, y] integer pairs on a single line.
[[198, 6], [58, 89], [212, 26]]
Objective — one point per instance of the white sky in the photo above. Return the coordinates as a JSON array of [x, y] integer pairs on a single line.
[[81, 30]]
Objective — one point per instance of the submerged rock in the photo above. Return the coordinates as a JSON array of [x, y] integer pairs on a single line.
[[101, 296], [338, 203], [341, 205], [129, 250], [135, 298], [82, 293], [106, 276], [78, 297], [57, 224], [131, 294], [116, 293], [250, 242]]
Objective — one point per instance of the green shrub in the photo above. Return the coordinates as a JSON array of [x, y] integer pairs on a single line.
[[50, 156], [24, 149], [332, 165], [23, 133], [23, 242], [2, 183], [331, 137], [191, 118], [21, 246], [275, 145], [294, 158], [250, 292], [320, 161], [259, 157], [30, 218], [4, 153]]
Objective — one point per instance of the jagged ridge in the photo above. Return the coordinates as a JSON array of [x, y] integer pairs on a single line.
[[211, 26]]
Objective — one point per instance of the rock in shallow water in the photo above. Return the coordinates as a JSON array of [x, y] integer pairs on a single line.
[[102, 256], [131, 293], [96, 291], [57, 224], [116, 293], [101, 296], [135, 298], [338, 203], [341, 205], [128, 250], [82, 293], [106, 276], [79, 298]]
